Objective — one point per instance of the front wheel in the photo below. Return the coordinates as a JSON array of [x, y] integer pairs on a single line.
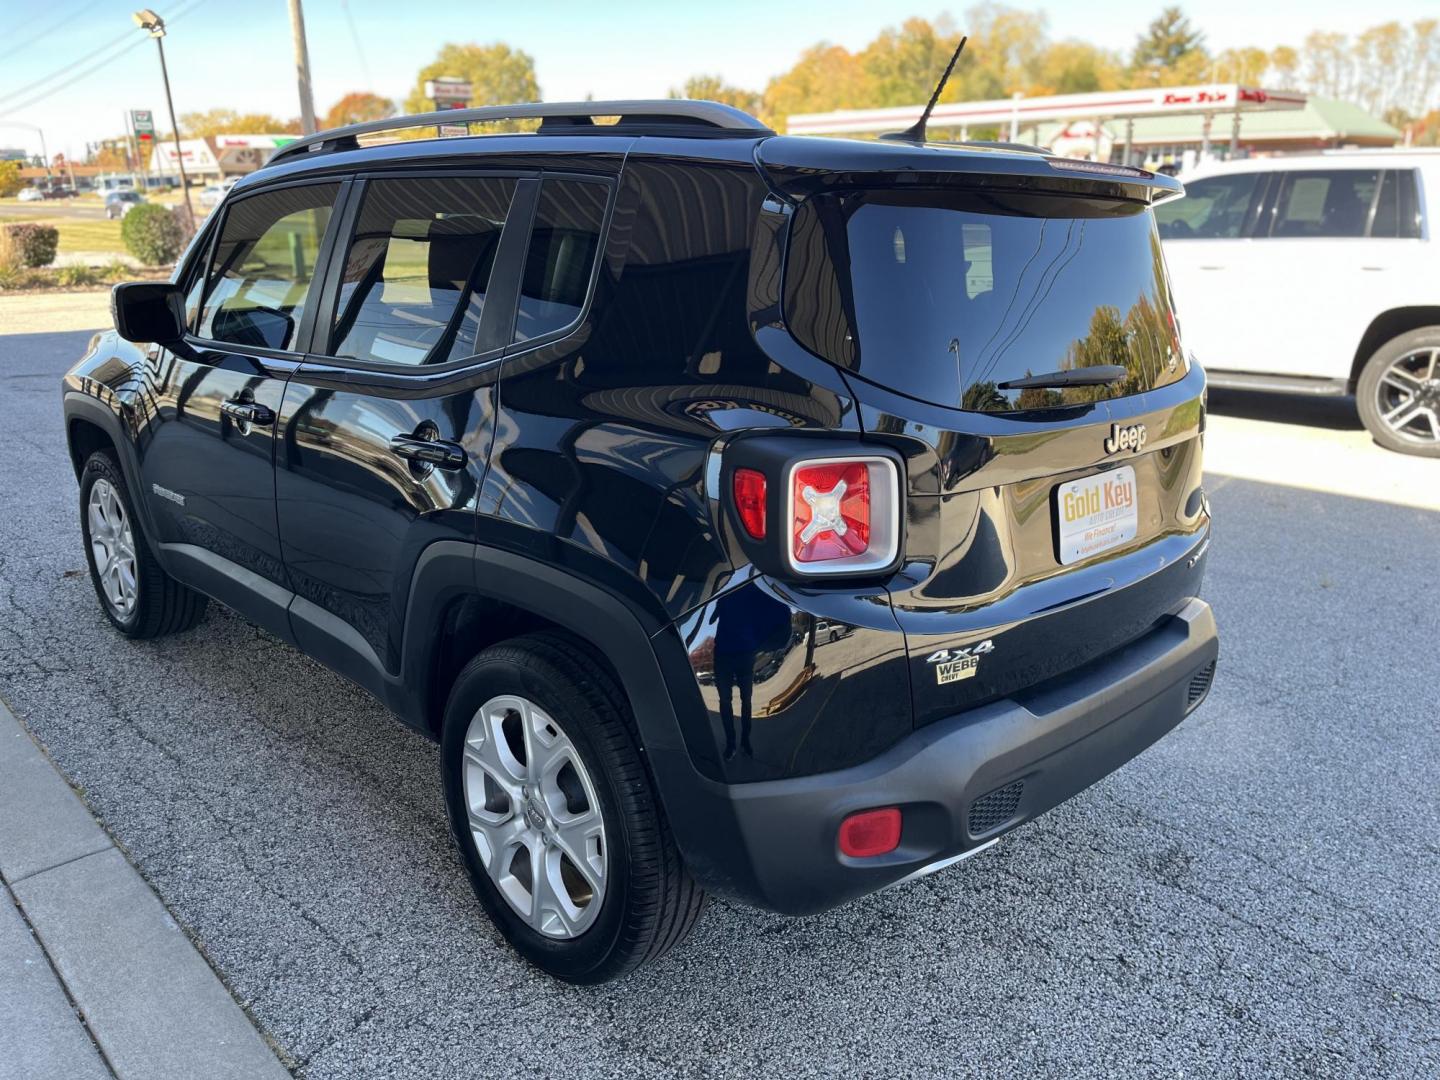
[[554, 813], [1398, 393]]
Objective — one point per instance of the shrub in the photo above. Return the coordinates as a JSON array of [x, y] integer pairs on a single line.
[[73, 276], [115, 270], [153, 234], [32, 245]]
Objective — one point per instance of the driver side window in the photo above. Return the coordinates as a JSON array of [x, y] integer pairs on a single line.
[[263, 266]]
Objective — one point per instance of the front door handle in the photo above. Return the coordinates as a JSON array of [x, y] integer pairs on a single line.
[[436, 452], [248, 412]]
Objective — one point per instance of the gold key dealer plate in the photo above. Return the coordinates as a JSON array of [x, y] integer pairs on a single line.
[[1096, 514]]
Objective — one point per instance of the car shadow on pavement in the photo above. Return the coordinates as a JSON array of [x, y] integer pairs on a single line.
[[1336, 413]]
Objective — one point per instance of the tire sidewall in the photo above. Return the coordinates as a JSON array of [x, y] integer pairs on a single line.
[[1368, 384], [511, 671], [100, 467]]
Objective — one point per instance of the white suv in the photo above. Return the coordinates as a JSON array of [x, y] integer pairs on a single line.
[[1317, 274]]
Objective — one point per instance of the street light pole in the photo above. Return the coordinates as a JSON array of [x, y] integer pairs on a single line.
[[302, 68], [153, 24]]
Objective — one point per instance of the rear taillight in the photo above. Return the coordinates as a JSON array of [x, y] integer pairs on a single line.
[[843, 515], [750, 501]]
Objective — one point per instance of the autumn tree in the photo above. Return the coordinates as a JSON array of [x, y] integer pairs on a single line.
[[714, 88], [199, 125], [826, 77], [497, 74], [356, 108], [10, 182]]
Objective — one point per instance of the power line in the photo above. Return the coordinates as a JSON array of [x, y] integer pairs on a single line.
[[127, 42], [47, 31], [359, 49]]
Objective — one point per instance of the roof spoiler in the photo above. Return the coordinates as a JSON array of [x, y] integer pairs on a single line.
[[674, 116]]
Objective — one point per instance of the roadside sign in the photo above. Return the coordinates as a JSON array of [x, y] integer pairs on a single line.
[[448, 92], [450, 131], [143, 124]]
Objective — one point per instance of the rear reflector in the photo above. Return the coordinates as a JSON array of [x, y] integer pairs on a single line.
[[870, 832], [750, 501]]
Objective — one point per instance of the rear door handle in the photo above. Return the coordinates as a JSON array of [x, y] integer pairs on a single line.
[[1212, 268], [436, 452], [247, 412]]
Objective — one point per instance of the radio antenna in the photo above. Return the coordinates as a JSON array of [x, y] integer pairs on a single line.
[[916, 132]]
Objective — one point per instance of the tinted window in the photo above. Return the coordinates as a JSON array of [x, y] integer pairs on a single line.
[[264, 261], [563, 243], [948, 296], [417, 270], [1395, 215], [1215, 208], [1324, 204]]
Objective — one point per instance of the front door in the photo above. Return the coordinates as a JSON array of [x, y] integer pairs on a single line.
[[207, 468], [385, 432]]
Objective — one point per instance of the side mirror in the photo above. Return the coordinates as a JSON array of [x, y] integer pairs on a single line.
[[146, 311]]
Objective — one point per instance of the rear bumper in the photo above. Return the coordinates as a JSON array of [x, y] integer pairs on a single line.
[[960, 783]]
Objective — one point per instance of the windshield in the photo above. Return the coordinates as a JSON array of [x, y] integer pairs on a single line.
[[946, 295]]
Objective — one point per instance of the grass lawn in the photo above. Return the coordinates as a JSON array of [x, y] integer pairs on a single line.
[[102, 236]]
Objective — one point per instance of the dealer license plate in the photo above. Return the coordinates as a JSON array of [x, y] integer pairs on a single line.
[[1096, 514]]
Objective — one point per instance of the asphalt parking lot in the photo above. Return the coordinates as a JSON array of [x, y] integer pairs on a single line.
[[1255, 896]]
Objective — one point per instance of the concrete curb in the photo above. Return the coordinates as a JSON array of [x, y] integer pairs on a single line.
[[96, 978]]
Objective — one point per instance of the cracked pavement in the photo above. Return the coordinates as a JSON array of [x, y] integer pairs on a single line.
[[1255, 896]]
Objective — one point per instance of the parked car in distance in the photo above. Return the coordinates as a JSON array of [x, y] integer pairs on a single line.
[[1317, 274], [119, 203], [212, 194], [59, 191], [31, 194], [569, 446]]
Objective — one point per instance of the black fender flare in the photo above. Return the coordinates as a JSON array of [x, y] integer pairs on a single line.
[[79, 405], [698, 810]]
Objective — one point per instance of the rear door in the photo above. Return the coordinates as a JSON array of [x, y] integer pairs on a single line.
[[207, 469], [385, 430]]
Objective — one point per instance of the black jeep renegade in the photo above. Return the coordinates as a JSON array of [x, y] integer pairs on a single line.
[[780, 518]]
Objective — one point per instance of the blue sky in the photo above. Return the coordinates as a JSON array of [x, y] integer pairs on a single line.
[[237, 53]]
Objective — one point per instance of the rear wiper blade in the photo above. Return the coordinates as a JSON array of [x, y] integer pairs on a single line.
[[1100, 375]]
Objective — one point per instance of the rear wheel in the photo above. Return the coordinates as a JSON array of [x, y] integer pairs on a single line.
[[1398, 393], [555, 816], [138, 597]]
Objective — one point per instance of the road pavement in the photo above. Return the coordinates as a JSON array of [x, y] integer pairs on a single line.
[[1255, 896]]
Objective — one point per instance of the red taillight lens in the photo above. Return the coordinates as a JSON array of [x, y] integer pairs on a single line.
[[831, 511], [870, 832], [750, 501]]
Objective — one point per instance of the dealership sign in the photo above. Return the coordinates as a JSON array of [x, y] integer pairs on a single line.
[[142, 122]]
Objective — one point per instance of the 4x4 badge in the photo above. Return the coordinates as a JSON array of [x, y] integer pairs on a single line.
[[1126, 438], [952, 665]]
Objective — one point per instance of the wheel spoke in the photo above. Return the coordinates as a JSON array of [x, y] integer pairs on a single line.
[[579, 839], [546, 749], [1401, 379], [1402, 414], [550, 899], [1434, 357]]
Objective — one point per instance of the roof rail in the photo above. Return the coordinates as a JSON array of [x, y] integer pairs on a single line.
[[675, 113]]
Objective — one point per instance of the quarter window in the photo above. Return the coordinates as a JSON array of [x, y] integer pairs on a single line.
[[1334, 203], [563, 246], [415, 277], [264, 263]]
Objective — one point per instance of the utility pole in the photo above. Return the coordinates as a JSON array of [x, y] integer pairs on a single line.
[[302, 68], [154, 25]]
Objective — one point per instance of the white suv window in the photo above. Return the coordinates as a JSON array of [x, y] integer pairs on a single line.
[[1215, 208], [1328, 203]]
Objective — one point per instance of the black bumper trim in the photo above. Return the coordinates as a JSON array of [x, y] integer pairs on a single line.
[[773, 844]]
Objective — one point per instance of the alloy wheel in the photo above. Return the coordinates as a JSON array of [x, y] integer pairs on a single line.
[[534, 816], [112, 546], [1408, 395]]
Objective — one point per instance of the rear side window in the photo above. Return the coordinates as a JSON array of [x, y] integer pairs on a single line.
[[1329, 203], [949, 296], [1215, 208], [264, 264], [563, 245], [415, 276]]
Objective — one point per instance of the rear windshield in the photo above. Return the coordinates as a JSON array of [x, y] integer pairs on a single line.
[[945, 296]]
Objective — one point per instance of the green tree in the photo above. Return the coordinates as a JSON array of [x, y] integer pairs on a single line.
[[1171, 52], [1076, 67], [356, 108], [903, 64], [498, 75], [10, 182]]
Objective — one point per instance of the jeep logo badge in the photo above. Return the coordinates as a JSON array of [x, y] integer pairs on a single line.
[[1125, 438]]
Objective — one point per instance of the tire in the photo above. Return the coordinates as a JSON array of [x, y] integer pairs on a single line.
[[157, 604], [647, 901], [1404, 369]]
